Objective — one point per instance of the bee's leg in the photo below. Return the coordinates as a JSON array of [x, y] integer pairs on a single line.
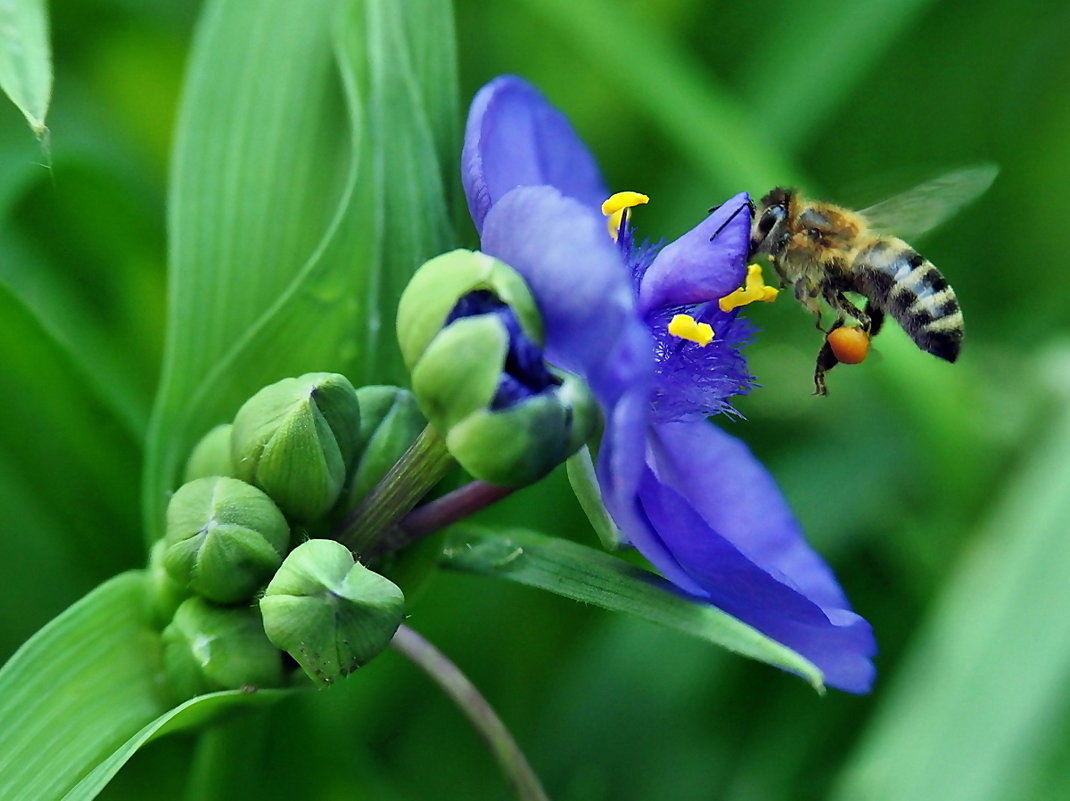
[[780, 273], [810, 296], [840, 302], [876, 319], [826, 360]]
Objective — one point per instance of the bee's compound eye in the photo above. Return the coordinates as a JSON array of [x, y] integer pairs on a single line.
[[850, 345], [769, 218], [813, 233]]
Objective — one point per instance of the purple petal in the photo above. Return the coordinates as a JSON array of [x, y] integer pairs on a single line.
[[739, 499], [514, 137], [584, 291], [710, 518], [696, 268]]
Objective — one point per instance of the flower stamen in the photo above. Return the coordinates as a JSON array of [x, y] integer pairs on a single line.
[[616, 208], [754, 289], [685, 326]]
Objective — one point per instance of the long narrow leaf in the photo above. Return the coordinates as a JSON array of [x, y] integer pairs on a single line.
[[264, 167], [185, 716], [583, 574], [336, 310], [26, 59], [77, 690], [86, 692]]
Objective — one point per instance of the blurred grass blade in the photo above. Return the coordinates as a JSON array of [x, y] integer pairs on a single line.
[[675, 93], [808, 63], [293, 233], [73, 469], [982, 694], [61, 309], [26, 59], [583, 574], [77, 690]]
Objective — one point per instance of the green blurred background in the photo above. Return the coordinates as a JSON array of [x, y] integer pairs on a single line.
[[937, 492]]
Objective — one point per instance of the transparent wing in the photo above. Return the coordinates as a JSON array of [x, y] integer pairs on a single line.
[[921, 209]]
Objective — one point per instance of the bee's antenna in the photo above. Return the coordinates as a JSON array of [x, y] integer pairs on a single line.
[[731, 217]]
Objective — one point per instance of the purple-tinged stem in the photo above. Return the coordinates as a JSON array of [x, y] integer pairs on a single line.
[[438, 514]]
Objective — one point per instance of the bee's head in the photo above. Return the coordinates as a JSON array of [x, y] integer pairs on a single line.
[[769, 232]]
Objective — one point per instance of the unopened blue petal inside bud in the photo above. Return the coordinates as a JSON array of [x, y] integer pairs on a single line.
[[524, 373]]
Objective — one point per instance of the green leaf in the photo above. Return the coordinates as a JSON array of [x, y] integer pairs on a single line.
[[412, 159], [583, 574], [80, 697], [80, 687], [26, 59], [193, 713], [264, 167], [974, 708], [293, 233]]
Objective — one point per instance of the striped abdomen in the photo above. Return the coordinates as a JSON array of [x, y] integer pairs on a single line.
[[907, 286]]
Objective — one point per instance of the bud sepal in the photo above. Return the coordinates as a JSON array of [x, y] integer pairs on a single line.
[[211, 456], [295, 439], [390, 421], [224, 538], [328, 611], [520, 444], [207, 648]]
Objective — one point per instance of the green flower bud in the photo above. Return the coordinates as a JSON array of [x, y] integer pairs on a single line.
[[165, 593], [471, 335], [459, 371], [329, 612], [208, 648], [224, 538], [295, 439], [522, 443], [390, 421], [436, 287], [211, 456]]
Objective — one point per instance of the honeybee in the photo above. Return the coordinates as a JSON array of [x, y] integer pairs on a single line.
[[823, 251]]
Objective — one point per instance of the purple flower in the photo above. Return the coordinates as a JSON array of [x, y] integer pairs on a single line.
[[690, 498]]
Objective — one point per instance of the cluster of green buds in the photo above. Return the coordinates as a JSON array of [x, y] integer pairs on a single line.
[[231, 589], [256, 563], [471, 335]]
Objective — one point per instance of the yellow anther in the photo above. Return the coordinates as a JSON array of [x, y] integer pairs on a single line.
[[754, 289], [623, 200], [685, 327], [615, 206]]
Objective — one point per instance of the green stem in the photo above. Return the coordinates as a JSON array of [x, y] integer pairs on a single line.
[[456, 685], [418, 470]]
